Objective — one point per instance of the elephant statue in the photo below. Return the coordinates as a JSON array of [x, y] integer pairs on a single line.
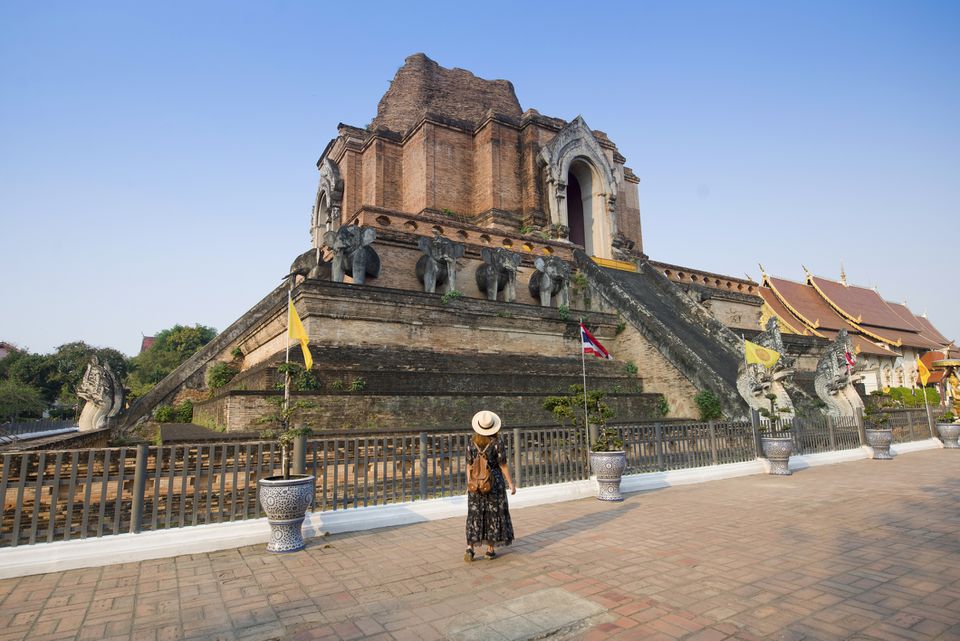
[[499, 271], [438, 264], [552, 278], [309, 264], [352, 254]]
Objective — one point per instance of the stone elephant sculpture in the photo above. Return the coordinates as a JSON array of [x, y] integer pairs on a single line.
[[352, 254], [438, 265], [309, 264], [552, 278], [499, 271]]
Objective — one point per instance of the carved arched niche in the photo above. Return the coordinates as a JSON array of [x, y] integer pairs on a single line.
[[327, 206], [574, 152]]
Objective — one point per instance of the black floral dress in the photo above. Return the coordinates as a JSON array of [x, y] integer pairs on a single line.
[[488, 515]]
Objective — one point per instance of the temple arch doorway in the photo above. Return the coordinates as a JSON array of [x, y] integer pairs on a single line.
[[580, 201]]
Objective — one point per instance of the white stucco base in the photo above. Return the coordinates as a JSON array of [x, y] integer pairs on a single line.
[[127, 548]]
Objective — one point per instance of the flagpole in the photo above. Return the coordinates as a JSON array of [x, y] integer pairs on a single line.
[[583, 365], [286, 377]]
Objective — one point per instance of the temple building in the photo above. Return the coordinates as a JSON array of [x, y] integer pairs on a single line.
[[457, 243], [886, 335]]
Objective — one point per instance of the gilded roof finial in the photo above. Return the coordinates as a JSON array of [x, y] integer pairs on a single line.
[[843, 275]]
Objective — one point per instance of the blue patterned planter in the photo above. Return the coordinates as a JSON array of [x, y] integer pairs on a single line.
[[777, 450], [285, 503], [608, 468]]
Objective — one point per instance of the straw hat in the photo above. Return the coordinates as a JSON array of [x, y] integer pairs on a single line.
[[486, 423]]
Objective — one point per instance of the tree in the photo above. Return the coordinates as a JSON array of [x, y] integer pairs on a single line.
[[35, 370], [19, 399], [170, 348]]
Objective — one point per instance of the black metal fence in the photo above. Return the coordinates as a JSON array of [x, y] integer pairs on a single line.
[[62, 495], [30, 427]]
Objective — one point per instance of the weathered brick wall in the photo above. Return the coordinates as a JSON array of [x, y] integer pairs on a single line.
[[422, 86], [363, 411], [659, 375]]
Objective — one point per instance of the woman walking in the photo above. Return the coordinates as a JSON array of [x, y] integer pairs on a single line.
[[488, 515]]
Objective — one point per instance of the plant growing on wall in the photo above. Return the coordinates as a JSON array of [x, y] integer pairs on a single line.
[[453, 294], [564, 312], [709, 405], [220, 374], [630, 368], [662, 406], [301, 379], [358, 384]]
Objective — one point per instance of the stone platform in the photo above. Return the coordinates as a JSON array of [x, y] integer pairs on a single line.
[[865, 550]]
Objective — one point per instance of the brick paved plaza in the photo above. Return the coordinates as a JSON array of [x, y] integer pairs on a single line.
[[860, 551]]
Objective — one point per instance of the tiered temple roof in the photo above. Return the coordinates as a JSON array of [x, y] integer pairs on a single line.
[[822, 307]]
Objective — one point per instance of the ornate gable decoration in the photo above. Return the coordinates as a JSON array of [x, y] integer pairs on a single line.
[[576, 140]]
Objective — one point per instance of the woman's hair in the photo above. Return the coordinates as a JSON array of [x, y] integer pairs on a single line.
[[482, 441]]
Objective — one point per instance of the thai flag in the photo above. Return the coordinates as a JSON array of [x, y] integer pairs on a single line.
[[850, 362], [591, 345]]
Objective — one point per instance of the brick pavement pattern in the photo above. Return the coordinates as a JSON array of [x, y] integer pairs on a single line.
[[859, 551]]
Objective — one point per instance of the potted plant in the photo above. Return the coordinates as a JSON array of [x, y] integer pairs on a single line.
[[879, 436], [949, 428], [285, 497], [776, 448], [607, 456]]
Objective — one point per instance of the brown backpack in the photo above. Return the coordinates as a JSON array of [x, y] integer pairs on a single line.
[[480, 482]]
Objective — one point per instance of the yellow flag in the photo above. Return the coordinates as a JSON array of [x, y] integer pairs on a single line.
[[923, 371], [756, 354], [297, 331]]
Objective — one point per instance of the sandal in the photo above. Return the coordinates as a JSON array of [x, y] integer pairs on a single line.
[[468, 555], [490, 555]]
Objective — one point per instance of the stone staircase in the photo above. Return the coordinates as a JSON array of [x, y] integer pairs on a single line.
[[704, 350]]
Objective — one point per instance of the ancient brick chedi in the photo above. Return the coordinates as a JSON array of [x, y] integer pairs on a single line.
[[449, 146], [456, 243]]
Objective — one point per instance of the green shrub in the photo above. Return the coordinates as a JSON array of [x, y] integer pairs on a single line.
[[630, 368], [662, 406], [564, 312], [906, 397], [220, 374], [236, 352], [164, 414], [358, 384], [183, 412], [451, 295], [301, 379], [621, 324], [709, 405], [336, 385]]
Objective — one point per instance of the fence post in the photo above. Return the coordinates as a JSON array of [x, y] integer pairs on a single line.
[[713, 441], [299, 463], [755, 425], [139, 486], [516, 456], [860, 429], [658, 445], [833, 434], [423, 466]]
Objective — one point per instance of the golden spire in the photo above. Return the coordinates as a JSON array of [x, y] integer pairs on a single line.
[[843, 275]]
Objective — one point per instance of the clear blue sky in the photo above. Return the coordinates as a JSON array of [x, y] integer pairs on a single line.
[[158, 161]]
